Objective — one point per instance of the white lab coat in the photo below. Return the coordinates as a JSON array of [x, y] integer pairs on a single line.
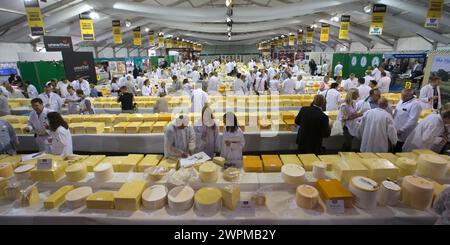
[[338, 70], [84, 85], [346, 111], [216, 64], [140, 82], [405, 117], [207, 139], [384, 83], [271, 72], [376, 130], [426, 92], [259, 84], [289, 86], [178, 141], [233, 152], [86, 106], [213, 84], [195, 76], [350, 83], [239, 87], [376, 73], [8, 138], [61, 143], [426, 134], [363, 91], [325, 69], [52, 101], [333, 97], [274, 86], [32, 91], [300, 86], [4, 106], [198, 99], [37, 125], [229, 67], [367, 79], [146, 90], [72, 103], [62, 88]]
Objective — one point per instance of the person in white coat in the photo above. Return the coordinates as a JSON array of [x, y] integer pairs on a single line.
[[376, 73], [207, 134], [31, 90], [369, 102], [146, 89], [289, 85], [384, 83], [368, 77], [72, 101], [274, 85], [38, 124], [348, 115], [84, 105], [61, 86], [195, 75], [260, 83], [239, 86], [233, 141], [430, 94], [229, 68], [430, 132], [333, 97], [60, 140], [179, 138], [407, 113], [338, 70], [363, 89], [199, 98], [213, 84], [351, 82], [300, 85], [8, 138], [82, 84], [51, 100], [377, 130]]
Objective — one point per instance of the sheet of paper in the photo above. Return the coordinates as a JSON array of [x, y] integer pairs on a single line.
[[31, 156]]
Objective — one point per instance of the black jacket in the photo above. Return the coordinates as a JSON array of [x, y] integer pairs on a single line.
[[314, 125]]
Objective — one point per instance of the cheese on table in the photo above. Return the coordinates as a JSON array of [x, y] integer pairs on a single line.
[[103, 172], [388, 156], [264, 124], [122, 117], [170, 163], [208, 199], [6, 170], [29, 197], [3, 184], [330, 160], [366, 155], [155, 197], [423, 151], [417, 192], [71, 159], [407, 166], [181, 198], [259, 198], [55, 158], [156, 173], [13, 160], [231, 174], [349, 155], [389, 193], [364, 192], [129, 195], [133, 127], [120, 127], [58, 197], [319, 170], [137, 117], [407, 155], [252, 164], [76, 172], [208, 172], [167, 117], [77, 198], [380, 169], [150, 160], [150, 117], [94, 127], [432, 166], [346, 169], [290, 159], [306, 196], [271, 163], [293, 174], [92, 161], [130, 162], [115, 161], [308, 160], [231, 195], [101, 200], [159, 126], [219, 161], [49, 175], [146, 127], [332, 189]]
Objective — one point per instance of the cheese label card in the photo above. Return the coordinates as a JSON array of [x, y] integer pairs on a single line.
[[335, 206], [43, 164], [246, 208]]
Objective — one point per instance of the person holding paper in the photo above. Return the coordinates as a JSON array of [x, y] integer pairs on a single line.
[[60, 140], [207, 133], [38, 123], [233, 140], [179, 138]]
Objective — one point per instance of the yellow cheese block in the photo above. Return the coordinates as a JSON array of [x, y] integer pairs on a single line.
[[308, 160], [58, 197], [101, 200], [92, 161], [208, 172], [346, 169], [49, 175], [381, 169], [146, 127], [6, 170], [252, 164], [120, 128], [78, 128], [56, 158], [423, 151], [150, 117], [3, 184], [349, 155], [76, 172], [71, 159], [407, 155], [13, 160], [94, 127], [150, 160], [271, 163], [167, 117], [407, 166], [285, 115], [137, 117], [115, 161], [105, 118], [290, 159], [78, 119], [367, 155], [132, 127], [19, 128], [230, 196], [129, 195], [130, 162], [159, 127], [170, 163], [264, 124], [330, 160], [331, 189], [388, 156], [30, 197], [121, 118]]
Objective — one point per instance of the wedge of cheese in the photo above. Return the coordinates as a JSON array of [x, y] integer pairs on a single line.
[[92, 161], [146, 127], [346, 169], [58, 197], [290, 159], [271, 163], [252, 164], [129, 195], [381, 169], [101, 200], [150, 160], [120, 128], [308, 160]]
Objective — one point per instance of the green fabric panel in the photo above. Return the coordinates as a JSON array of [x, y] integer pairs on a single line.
[[41, 72]]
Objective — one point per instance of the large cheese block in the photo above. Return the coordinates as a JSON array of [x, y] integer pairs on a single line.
[[432, 166], [271, 163], [115, 161], [77, 198], [407, 166], [137, 117], [58, 197], [150, 160], [346, 169], [423, 151], [170, 163], [19, 128], [146, 127], [55, 158], [330, 160], [388, 156], [364, 192], [167, 117], [129, 195], [103, 172], [29, 197], [150, 117], [208, 172], [308, 160], [181, 198], [306, 196], [6, 170], [101, 200], [76, 172], [290, 159], [208, 200], [120, 128], [332, 189], [367, 155], [407, 155], [264, 124], [130, 162], [49, 175], [293, 174], [252, 164], [94, 127], [133, 127], [231, 195], [155, 197], [417, 192], [349, 155], [92, 161], [159, 127], [380, 169]]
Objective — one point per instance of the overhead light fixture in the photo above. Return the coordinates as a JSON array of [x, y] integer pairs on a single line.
[[300, 30], [229, 34], [228, 3], [335, 19], [229, 20], [229, 29], [94, 15], [127, 23], [147, 29], [161, 34], [314, 26], [368, 8]]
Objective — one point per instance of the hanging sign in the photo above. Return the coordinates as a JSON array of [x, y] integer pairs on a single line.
[[434, 13], [291, 40], [377, 24], [34, 17], [116, 32], [137, 38], [325, 32], [151, 38], [160, 41], [345, 24], [300, 38], [309, 35], [86, 27]]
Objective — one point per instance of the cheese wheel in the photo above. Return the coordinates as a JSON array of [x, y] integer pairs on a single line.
[[407, 166], [389, 193], [208, 172], [77, 197], [181, 198], [293, 174], [432, 166], [103, 172], [231, 174], [6, 170], [154, 197], [319, 170], [306, 196], [417, 192], [208, 200], [364, 192], [23, 172], [76, 172]]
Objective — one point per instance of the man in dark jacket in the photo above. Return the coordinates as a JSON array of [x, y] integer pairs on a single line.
[[314, 126]]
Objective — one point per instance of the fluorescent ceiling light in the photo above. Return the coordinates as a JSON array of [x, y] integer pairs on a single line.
[[94, 15]]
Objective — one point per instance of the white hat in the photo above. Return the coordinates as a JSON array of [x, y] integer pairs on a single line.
[[181, 120]]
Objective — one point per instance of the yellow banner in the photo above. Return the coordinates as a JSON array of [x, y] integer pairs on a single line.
[[309, 35], [137, 37], [160, 41], [117, 32], [168, 43], [86, 27], [377, 24], [34, 17], [299, 38], [345, 25], [291, 40], [285, 41], [435, 8], [151, 38], [325, 33]]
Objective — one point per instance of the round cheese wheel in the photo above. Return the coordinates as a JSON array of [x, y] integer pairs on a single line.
[[231, 174], [319, 170], [103, 172], [156, 173], [6, 170], [407, 165], [208, 172], [76, 172], [181, 198], [208, 199], [77, 197], [389, 193], [23, 172], [154, 197], [364, 192], [433, 166], [417, 192], [293, 174], [306, 196]]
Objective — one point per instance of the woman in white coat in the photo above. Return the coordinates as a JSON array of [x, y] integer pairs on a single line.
[[60, 140], [146, 88], [349, 115], [233, 140], [207, 134], [430, 94]]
